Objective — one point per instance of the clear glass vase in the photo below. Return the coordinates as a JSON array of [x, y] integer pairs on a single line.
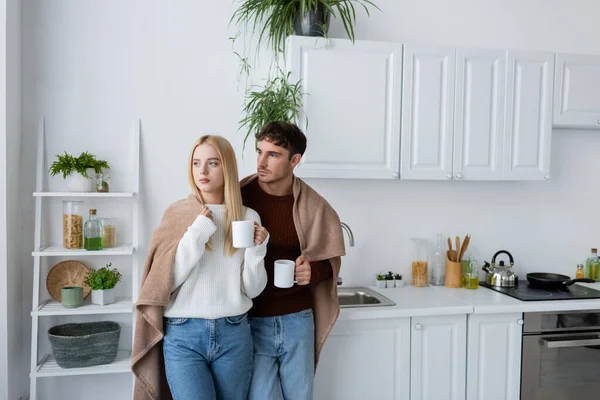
[[419, 262]]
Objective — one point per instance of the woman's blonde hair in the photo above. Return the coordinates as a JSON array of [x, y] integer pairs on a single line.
[[232, 193]]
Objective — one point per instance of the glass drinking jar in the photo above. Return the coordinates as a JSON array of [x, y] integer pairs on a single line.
[[419, 263], [470, 274], [72, 224], [109, 234]]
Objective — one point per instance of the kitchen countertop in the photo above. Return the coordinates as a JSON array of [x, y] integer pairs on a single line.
[[439, 300]]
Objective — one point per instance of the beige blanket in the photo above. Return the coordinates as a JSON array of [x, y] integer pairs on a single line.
[[320, 233], [147, 358]]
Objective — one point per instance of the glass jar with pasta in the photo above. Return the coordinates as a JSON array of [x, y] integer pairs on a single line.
[[72, 224], [109, 234], [419, 262]]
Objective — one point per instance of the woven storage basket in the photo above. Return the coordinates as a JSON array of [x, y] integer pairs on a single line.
[[85, 345]]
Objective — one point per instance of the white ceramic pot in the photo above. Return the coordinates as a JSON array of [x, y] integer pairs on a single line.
[[399, 282], [103, 297], [389, 284], [380, 284], [78, 183]]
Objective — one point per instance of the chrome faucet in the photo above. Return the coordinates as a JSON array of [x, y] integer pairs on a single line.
[[349, 232]]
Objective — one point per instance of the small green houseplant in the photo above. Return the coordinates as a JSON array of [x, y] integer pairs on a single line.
[[102, 282], [277, 100], [275, 20], [78, 170], [380, 280]]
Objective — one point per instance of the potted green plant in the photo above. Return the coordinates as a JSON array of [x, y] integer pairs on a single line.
[[103, 282], [389, 280], [380, 280], [277, 100], [398, 280], [78, 171], [275, 20]]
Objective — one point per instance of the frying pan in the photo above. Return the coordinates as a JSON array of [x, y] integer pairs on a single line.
[[554, 281]]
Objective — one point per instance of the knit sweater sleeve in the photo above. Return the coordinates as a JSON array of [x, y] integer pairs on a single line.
[[191, 248], [254, 275]]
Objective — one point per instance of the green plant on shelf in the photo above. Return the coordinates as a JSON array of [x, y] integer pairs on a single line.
[[66, 164], [103, 278]]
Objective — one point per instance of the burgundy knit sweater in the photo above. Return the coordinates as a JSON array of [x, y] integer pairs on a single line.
[[276, 215]]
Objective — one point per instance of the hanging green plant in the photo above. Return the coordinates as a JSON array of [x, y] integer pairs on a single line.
[[275, 20], [277, 100]]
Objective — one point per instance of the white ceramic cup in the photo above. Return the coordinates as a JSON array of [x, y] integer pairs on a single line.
[[284, 273], [243, 234]]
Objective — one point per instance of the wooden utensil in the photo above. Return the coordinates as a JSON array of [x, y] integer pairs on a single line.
[[449, 244], [457, 249], [465, 244]]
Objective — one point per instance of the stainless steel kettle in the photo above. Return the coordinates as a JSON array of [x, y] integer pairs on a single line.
[[501, 275]]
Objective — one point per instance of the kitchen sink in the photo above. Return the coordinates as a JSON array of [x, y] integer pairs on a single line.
[[362, 297]]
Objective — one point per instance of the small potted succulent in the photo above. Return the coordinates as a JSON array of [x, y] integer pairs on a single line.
[[78, 171], [389, 280], [380, 280], [398, 280], [103, 282]]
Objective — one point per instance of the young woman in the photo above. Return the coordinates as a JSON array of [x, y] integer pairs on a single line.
[[208, 344]]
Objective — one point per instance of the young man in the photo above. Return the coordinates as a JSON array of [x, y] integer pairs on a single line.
[[289, 326]]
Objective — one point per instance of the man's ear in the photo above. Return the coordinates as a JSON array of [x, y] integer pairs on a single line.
[[296, 159]]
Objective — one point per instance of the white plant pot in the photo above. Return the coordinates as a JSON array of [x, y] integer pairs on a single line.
[[78, 183], [103, 297], [389, 284], [399, 282], [380, 284]]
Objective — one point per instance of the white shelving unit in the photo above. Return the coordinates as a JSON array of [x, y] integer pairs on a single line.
[[44, 365]]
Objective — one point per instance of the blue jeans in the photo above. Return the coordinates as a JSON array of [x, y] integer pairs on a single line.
[[284, 357], [208, 358]]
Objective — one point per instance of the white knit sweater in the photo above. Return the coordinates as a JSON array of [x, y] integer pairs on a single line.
[[210, 284]]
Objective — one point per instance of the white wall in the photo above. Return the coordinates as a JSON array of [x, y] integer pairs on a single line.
[[90, 67], [3, 223], [13, 382]]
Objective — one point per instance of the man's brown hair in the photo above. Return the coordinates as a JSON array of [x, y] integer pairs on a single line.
[[284, 134]]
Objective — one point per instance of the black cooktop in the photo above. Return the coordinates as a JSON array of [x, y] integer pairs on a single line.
[[526, 292]]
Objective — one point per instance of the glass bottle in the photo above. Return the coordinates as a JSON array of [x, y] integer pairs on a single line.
[[92, 233], [438, 267], [579, 274], [591, 265], [72, 225], [419, 263], [103, 181]]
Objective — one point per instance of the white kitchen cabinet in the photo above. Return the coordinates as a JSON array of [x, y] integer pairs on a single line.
[[427, 112], [351, 99], [479, 116], [494, 356], [365, 359], [577, 91], [438, 357], [528, 116]]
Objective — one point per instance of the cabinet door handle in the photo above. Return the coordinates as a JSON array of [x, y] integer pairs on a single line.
[[520, 321], [547, 177], [459, 176], [448, 176], [395, 175], [418, 327]]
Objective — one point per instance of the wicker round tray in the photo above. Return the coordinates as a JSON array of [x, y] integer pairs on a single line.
[[67, 273]]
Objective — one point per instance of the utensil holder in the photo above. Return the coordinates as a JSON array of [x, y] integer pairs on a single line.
[[453, 274]]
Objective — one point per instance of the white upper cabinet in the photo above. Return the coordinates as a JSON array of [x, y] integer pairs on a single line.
[[352, 103], [528, 116], [577, 91], [479, 116], [427, 112]]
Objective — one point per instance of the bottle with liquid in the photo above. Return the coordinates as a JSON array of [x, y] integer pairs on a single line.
[[592, 266], [438, 266], [579, 274], [92, 233]]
